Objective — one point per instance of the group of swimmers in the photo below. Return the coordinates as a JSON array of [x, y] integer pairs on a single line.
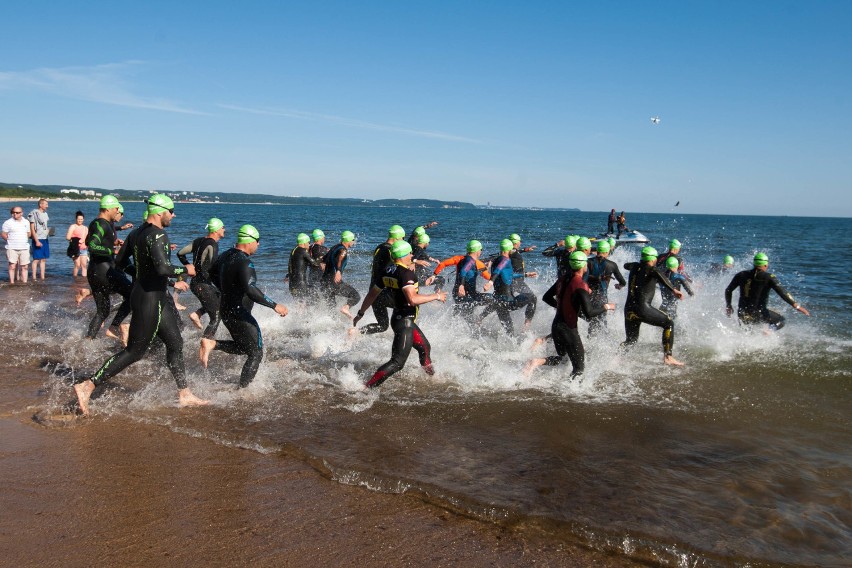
[[226, 287]]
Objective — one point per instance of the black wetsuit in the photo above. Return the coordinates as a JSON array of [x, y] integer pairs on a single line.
[[422, 272], [610, 222], [317, 252], [406, 333], [235, 276], [153, 313], [503, 301], [103, 276], [382, 261], [641, 287], [466, 274], [754, 288], [205, 251], [601, 271], [297, 272], [561, 254], [330, 288], [570, 296], [669, 303], [519, 282]]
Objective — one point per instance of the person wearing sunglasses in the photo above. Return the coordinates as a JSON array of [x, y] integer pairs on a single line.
[[16, 232]]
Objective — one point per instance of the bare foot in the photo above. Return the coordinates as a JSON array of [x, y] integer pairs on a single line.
[[345, 311], [527, 325], [207, 346], [531, 365], [180, 306], [84, 391], [113, 332], [186, 398], [537, 342], [669, 360], [81, 295], [193, 317], [354, 332]]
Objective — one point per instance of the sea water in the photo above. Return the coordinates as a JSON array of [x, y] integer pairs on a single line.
[[744, 456]]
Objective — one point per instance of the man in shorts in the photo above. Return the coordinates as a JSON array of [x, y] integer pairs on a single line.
[[38, 219], [16, 232]]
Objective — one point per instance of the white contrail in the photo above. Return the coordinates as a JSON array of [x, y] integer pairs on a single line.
[[302, 115], [98, 83]]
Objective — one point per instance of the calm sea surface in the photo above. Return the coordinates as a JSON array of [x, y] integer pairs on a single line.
[[742, 457]]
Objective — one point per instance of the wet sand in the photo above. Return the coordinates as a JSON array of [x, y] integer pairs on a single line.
[[113, 492]]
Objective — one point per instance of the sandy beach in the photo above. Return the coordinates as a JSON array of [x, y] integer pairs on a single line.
[[114, 492]]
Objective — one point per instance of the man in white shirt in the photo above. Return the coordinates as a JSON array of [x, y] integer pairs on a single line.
[[16, 232], [40, 232]]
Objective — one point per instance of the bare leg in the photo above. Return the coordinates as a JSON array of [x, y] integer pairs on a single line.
[[196, 321], [669, 360], [82, 293], [533, 364], [84, 392], [124, 330], [207, 346], [13, 269], [345, 311], [25, 271], [186, 398]]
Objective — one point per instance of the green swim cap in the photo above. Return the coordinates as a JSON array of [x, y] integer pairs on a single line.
[[603, 246], [515, 238], [318, 234], [506, 245], [247, 234], [121, 208], [649, 253], [577, 260], [674, 244], [570, 241], [473, 245], [611, 242], [423, 239], [584, 244], [214, 224], [396, 232], [160, 201], [303, 238], [419, 231], [144, 214], [672, 263], [728, 259], [109, 202], [760, 259], [347, 237], [400, 249]]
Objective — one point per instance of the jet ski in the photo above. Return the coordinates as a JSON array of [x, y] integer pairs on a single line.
[[627, 237]]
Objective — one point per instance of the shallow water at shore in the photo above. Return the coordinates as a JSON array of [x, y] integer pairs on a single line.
[[741, 457]]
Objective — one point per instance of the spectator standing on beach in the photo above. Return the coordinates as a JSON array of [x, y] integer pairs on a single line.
[[16, 231], [77, 249], [40, 232]]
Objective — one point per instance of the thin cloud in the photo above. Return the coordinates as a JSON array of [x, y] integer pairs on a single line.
[[301, 115], [100, 83]]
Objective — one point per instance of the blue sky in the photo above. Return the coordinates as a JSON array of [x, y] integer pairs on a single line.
[[513, 103]]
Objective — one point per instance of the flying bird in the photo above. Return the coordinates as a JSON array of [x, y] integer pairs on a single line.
[[678, 203], [655, 119]]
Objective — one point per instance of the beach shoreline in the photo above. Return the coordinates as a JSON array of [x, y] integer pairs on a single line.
[[114, 491]]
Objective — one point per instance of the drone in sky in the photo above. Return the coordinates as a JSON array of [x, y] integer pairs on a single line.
[[655, 119]]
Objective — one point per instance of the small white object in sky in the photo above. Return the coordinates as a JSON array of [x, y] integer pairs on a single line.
[[655, 119]]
